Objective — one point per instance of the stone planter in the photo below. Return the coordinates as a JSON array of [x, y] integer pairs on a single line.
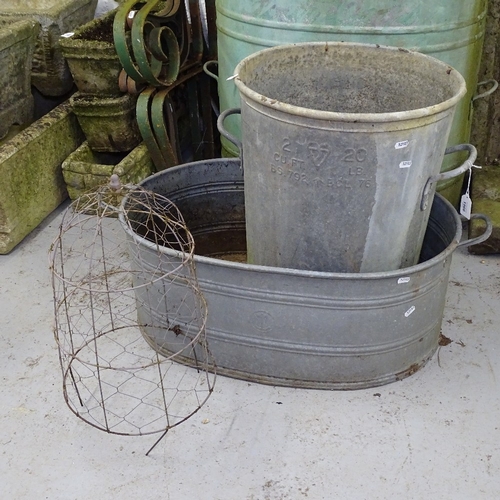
[[84, 169], [17, 42], [50, 73], [31, 181], [109, 123], [92, 58]]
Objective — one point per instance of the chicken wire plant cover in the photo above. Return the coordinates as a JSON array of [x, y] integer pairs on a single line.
[[112, 378]]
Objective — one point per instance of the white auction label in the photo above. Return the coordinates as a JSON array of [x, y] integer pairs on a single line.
[[466, 206], [410, 311]]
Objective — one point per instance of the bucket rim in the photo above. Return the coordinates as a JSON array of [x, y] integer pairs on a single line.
[[394, 116], [299, 273]]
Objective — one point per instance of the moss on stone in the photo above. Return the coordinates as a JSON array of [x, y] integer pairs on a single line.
[[50, 73], [109, 123], [31, 181], [17, 42], [92, 58], [84, 170]]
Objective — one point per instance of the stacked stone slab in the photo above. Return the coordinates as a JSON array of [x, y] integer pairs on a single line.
[[17, 43], [31, 182], [49, 72]]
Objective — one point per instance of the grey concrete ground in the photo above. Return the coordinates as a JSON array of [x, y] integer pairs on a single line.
[[434, 435]]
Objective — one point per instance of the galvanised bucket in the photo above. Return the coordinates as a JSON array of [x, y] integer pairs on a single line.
[[342, 147], [299, 328], [450, 30]]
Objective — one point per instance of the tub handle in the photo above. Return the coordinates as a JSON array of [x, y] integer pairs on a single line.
[[486, 93], [443, 176], [224, 132], [210, 73], [483, 237]]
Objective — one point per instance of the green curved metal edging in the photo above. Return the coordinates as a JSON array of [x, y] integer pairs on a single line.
[[172, 57], [151, 51], [142, 109], [158, 123], [157, 45], [149, 66], [121, 40]]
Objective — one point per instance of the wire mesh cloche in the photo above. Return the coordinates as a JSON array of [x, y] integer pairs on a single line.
[[129, 315]]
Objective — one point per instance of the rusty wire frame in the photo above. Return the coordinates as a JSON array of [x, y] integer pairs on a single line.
[[129, 313]]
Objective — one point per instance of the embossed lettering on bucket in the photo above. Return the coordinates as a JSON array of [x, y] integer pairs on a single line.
[[339, 143]]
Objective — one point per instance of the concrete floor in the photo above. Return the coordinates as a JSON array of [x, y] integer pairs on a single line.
[[435, 434]]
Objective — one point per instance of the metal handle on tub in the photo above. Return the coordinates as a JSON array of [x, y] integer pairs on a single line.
[[486, 93], [210, 73], [443, 176], [224, 132], [483, 237]]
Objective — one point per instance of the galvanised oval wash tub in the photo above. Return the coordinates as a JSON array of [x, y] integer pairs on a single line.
[[294, 327]]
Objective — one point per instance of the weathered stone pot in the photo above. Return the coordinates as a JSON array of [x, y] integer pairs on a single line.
[[50, 73], [84, 169], [92, 58], [109, 123], [17, 42], [31, 181]]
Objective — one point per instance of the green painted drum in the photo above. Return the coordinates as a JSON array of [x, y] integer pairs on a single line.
[[450, 30]]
